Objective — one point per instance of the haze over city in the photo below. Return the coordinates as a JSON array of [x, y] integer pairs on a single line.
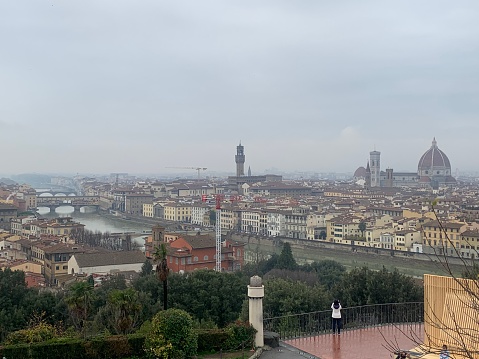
[[124, 86]]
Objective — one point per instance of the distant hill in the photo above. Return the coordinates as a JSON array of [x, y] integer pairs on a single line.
[[7, 181], [33, 179]]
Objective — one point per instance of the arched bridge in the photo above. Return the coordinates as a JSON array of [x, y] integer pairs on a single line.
[[55, 192], [76, 202]]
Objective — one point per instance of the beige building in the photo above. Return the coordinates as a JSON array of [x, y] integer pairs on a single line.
[[148, 210], [404, 239], [230, 218], [469, 244], [56, 259], [178, 212], [442, 236], [343, 227], [26, 266]]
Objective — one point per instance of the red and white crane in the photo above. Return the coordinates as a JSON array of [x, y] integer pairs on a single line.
[[218, 233]]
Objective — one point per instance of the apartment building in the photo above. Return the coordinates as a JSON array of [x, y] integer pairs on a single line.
[[188, 253], [134, 203], [250, 221], [343, 227], [231, 218], [200, 214], [404, 239], [295, 223], [178, 212], [276, 223]]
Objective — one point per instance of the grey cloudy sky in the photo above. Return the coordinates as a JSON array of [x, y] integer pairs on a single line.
[[136, 86]]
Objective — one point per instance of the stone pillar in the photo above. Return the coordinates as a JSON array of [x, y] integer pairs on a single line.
[[255, 295]]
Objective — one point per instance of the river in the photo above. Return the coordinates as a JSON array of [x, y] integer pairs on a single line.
[[96, 222]]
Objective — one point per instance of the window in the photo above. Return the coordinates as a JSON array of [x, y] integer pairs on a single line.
[[195, 259], [182, 261], [205, 258], [57, 267]]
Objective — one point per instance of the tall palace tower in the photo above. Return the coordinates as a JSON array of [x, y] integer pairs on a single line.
[[375, 162], [239, 158]]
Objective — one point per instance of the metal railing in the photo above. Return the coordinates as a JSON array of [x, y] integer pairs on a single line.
[[314, 323]]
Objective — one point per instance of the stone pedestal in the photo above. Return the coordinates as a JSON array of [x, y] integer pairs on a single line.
[[255, 295]]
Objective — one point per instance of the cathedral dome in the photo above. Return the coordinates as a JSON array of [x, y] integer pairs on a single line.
[[360, 172], [434, 165]]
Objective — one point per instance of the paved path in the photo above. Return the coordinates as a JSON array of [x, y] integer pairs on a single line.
[[368, 343], [286, 352]]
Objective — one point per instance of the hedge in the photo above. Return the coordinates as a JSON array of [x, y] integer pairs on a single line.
[[115, 347], [119, 347]]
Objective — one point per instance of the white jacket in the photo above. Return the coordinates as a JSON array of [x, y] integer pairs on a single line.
[[336, 312]]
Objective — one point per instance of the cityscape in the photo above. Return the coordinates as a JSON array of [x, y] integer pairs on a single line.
[[209, 180], [376, 214]]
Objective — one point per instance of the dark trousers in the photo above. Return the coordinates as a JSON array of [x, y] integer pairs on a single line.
[[337, 325]]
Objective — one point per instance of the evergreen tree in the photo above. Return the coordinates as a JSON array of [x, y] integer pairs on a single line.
[[146, 268], [286, 259]]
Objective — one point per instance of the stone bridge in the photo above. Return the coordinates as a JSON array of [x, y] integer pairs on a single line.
[[54, 192], [76, 202]]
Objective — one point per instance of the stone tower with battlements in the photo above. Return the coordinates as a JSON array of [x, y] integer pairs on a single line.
[[239, 158]]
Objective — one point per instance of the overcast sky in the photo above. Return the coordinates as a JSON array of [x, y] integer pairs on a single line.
[[99, 86]]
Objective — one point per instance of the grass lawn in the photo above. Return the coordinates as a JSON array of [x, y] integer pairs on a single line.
[[407, 266]]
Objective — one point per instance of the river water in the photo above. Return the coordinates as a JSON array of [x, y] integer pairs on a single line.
[[96, 222]]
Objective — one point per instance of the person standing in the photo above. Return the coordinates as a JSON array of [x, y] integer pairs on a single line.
[[336, 307], [444, 352]]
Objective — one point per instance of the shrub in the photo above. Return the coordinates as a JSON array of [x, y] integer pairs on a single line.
[[240, 333], [102, 347], [41, 332], [171, 336], [212, 339]]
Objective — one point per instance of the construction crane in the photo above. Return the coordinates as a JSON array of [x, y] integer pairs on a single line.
[[218, 233], [218, 199], [199, 169]]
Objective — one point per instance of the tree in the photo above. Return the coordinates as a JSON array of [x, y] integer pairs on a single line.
[[363, 286], [293, 297], [329, 272], [146, 268], [210, 296], [162, 271], [79, 301], [125, 310], [362, 227], [171, 336], [286, 259]]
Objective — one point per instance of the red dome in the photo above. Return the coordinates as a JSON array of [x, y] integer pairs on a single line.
[[360, 172], [434, 158]]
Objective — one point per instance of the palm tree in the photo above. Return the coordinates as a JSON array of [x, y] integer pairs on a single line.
[[125, 310], [79, 301], [162, 271]]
